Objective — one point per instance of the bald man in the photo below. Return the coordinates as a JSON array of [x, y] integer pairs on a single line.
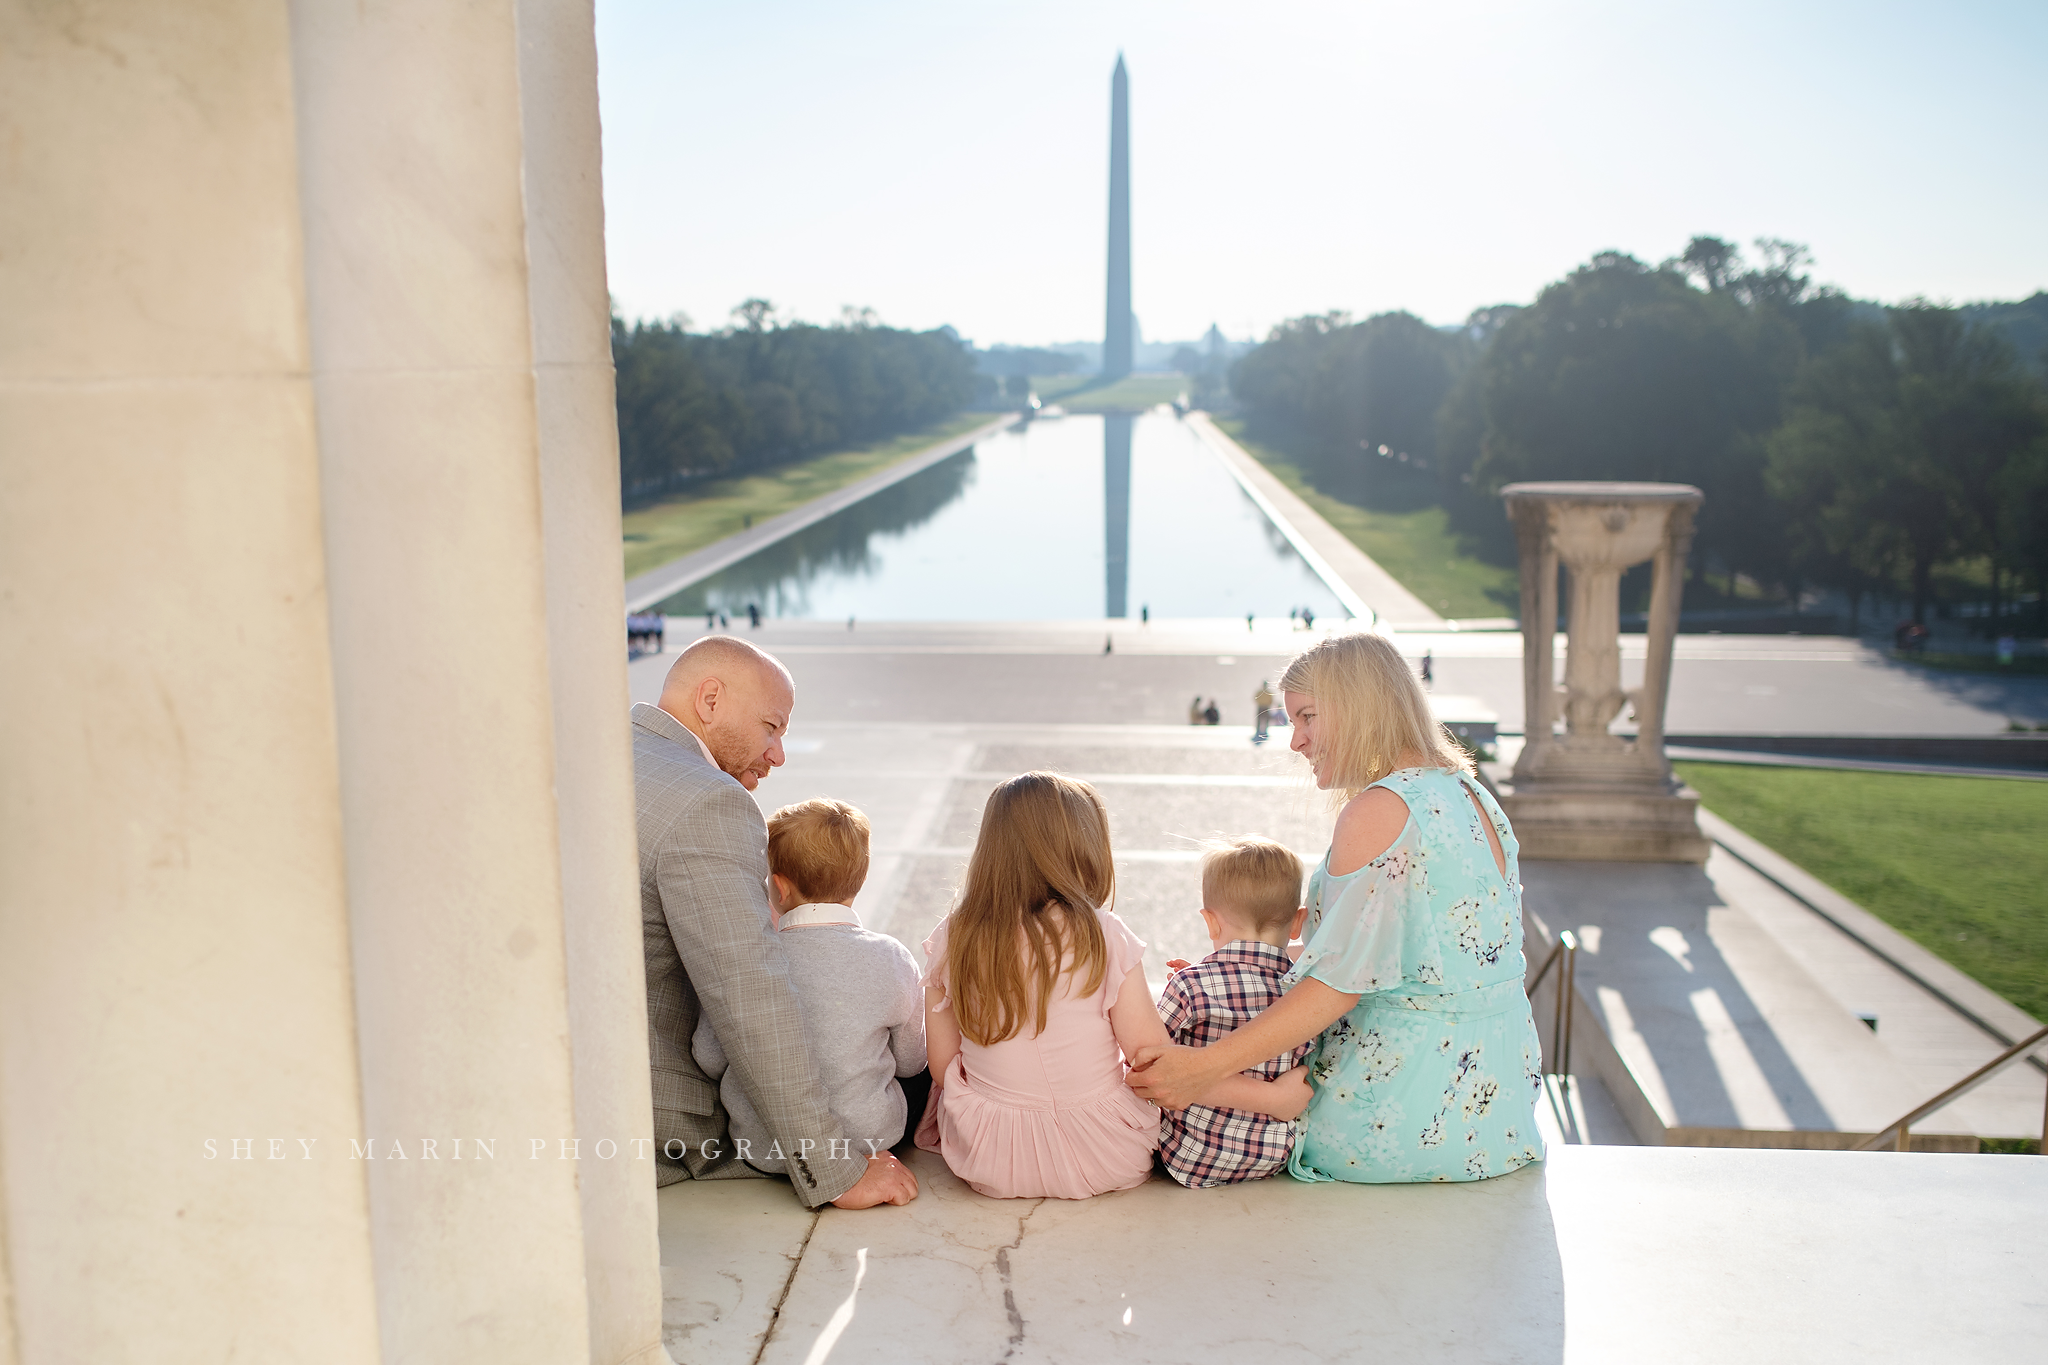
[[710, 947]]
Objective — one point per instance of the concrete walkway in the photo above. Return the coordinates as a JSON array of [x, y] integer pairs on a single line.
[[1326, 548]]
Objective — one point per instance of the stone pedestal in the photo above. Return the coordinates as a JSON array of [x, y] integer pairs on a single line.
[[1587, 793]]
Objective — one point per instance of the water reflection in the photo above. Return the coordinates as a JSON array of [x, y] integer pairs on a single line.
[[1062, 520], [1116, 505]]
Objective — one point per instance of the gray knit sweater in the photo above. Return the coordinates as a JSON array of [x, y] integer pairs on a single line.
[[863, 1005]]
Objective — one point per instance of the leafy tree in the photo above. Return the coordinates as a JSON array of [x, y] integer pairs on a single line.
[[1906, 445], [692, 404], [1364, 395], [1620, 371]]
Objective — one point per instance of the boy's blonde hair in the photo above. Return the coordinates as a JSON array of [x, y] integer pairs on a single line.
[[1040, 869], [1370, 711], [1252, 879], [822, 846]]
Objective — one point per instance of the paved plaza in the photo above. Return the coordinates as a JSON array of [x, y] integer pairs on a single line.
[[1057, 673], [1737, 1000]]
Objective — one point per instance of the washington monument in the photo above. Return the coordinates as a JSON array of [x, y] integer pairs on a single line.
[[1116, 329]]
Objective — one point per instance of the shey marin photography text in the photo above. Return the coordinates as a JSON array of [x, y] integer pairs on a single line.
[[534, 1149]]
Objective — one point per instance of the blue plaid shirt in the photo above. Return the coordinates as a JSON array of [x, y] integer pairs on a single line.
[[1206, 1146]]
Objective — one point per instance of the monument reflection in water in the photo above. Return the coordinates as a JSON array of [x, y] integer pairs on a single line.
[[1072, 518]]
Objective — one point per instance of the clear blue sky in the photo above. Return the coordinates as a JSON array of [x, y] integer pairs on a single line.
[[948, 162]]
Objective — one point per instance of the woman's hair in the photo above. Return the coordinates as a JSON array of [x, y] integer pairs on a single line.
[[1040, 869], [1370, 711]]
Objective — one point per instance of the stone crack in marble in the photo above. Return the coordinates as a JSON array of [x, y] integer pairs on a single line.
[[775, 1309], [1010, 1289]]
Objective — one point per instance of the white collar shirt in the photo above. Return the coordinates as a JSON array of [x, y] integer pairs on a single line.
[[818, 913]]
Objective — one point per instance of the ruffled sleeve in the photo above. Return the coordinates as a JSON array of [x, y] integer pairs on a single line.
[[1126, 955], [1359, 945], [935, 963]]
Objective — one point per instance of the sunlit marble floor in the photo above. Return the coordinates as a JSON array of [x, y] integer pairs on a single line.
[[1668, 1255]]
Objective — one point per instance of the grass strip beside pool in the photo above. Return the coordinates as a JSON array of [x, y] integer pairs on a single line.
[[1418, 548], [718, 508], [1957, 864]]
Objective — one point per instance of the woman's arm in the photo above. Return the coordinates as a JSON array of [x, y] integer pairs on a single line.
[[941, 1033], [1173, 1077], [1282, 1098]]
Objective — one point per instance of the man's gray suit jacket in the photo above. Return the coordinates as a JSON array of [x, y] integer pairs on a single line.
[[711, 951]]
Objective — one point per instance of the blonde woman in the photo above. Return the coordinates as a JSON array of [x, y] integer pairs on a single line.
[[1426, 1064]]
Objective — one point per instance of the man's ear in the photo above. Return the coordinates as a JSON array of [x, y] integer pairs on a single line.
[[705, 700], [1300, 918]]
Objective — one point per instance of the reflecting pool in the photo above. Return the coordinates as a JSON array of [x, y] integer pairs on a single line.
[[1064, 519]]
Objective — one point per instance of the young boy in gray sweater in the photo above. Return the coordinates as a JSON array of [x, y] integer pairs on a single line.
[[862, 994]]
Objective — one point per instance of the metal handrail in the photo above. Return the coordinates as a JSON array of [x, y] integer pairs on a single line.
[[1903, 1126], [1567, 948]]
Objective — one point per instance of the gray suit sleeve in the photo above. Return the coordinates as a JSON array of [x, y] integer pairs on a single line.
[[714, 896]]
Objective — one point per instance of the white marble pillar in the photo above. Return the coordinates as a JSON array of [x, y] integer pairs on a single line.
[[174, 957], [579, 486], [315, 805]]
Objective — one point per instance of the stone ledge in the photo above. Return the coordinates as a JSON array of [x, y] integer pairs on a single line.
[[1674, 1255]]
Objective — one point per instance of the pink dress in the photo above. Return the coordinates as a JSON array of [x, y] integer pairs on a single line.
[[1045, 1116]]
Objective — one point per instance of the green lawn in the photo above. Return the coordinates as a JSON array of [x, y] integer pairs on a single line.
[[1957, 864], [1417, 547], [720, 507], [1132, 393]]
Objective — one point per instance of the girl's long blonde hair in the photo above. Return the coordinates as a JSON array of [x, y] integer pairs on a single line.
[[1026, 916], [1370, 711]]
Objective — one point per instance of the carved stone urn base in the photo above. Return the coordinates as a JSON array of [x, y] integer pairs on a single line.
[[1555, 821]]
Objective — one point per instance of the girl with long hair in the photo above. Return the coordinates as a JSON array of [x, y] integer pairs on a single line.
[[1034, 996], [1426, 1064]]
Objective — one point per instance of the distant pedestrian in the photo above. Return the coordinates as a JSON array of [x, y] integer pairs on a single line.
[[849, 623], [2007, 647], [1145, 615], [1428, 667], [659, 620], [1195, 711], [1108, 644], [1294, 614], [1262, 707], [1211, 715], [724, 621], [753, 616], [710, 620], [1247, 620], [1308, 619]]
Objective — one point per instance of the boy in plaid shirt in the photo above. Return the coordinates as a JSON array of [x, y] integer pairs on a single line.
[[1251, 905]]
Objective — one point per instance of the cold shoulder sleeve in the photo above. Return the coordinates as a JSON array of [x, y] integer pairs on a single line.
[[1126, 955], [1365, 940]]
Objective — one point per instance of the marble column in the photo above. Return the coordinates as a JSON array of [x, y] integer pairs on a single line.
[[174, 936], [315, 809], [1589, 793]]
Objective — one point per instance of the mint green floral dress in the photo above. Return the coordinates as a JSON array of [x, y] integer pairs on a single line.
[[1435, 1073]]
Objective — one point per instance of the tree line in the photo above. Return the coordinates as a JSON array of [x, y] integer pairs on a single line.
[[1882, 452], [763, 392]]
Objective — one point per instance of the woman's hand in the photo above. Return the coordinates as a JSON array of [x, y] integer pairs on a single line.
[[1172, 1076]]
